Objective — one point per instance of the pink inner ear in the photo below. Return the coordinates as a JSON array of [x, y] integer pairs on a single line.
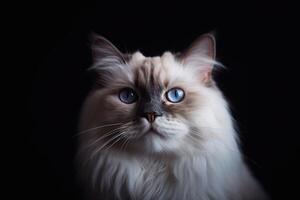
[[197, 55], [206, 77]]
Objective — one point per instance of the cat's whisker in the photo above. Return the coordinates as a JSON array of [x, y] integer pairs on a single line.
[[125, 143], [97, 127], [204, 127], [117, 140], [124, 126], [207, 128], [111, 132], [106, 143]]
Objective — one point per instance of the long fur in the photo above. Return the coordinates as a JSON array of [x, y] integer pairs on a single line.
[[199, 160]]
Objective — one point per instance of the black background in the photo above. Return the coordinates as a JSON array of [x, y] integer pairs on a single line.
[[255, 42]]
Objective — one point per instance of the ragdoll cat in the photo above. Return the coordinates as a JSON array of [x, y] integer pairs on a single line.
[[158, 128]]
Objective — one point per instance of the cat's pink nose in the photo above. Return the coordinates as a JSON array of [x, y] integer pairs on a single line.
[[150, 116]]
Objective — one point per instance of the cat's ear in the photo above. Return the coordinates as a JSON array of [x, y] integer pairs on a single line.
[[102, 49], [201, 54]]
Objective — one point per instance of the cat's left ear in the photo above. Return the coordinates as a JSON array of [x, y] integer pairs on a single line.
[[201, 54]]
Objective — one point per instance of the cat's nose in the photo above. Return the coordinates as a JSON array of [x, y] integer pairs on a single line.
[[150, 116]]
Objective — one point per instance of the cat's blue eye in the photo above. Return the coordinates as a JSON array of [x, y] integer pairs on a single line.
[[175, 95], [128, 95]]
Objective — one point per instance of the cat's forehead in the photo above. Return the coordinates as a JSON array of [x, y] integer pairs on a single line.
[[151, 71], [138, 59]]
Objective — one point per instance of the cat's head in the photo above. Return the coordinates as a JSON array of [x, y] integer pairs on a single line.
[[163, 104]]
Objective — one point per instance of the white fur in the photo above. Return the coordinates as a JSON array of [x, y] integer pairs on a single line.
[[210, 167]]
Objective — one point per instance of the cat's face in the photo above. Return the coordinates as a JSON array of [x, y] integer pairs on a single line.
[[148, 104]]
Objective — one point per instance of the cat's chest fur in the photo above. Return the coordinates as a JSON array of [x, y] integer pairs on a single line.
[[152, 178]]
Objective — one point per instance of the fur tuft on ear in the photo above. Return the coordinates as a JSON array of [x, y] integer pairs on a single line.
[[201, 54], [104, 52]]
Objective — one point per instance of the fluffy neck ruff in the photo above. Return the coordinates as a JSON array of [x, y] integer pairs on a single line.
[[214, 172]]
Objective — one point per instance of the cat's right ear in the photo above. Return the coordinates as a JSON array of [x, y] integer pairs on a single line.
[[104, 50], [201, 55]]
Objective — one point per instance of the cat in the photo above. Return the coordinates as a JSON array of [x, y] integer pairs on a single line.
[[158, 128]]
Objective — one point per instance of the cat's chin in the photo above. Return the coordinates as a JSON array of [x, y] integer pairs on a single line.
[[155, 142], [154, 133]]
